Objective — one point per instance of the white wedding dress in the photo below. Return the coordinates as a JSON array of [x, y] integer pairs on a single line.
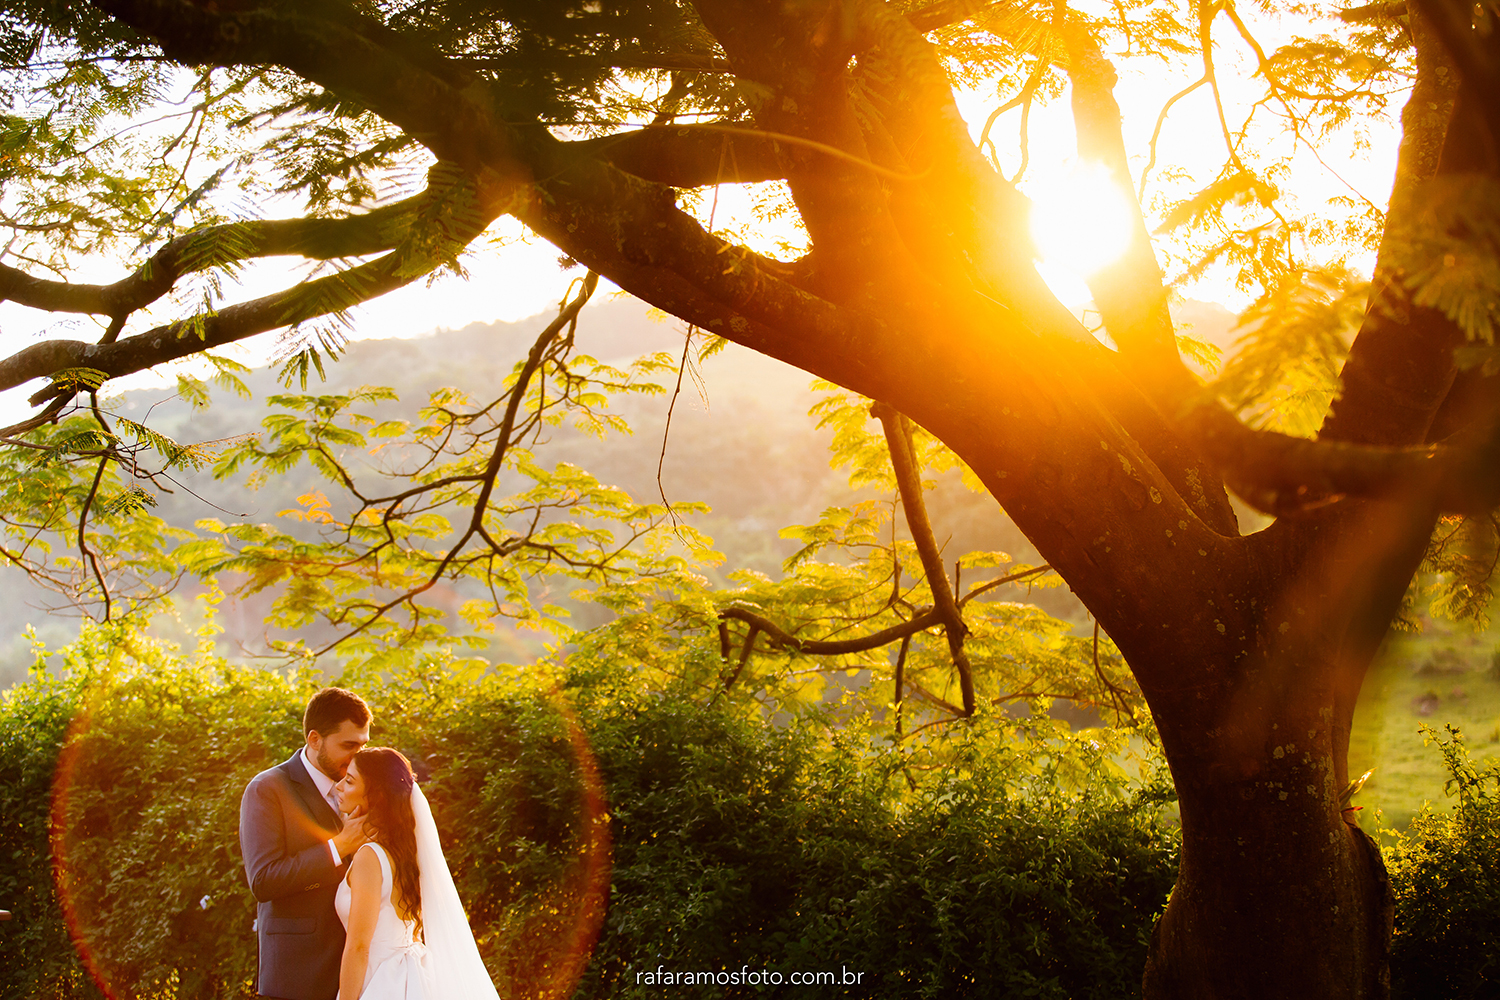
[[399, 967], [448, 966]]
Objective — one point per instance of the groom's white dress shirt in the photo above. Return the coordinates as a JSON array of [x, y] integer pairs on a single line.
[[325, 788]]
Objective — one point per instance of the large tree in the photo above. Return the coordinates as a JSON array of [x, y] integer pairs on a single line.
[[918, 292]]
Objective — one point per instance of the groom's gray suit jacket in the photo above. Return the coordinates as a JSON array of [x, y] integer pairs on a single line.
[[285, 826]]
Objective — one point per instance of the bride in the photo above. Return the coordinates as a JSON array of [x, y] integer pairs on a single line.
[[407, 937]]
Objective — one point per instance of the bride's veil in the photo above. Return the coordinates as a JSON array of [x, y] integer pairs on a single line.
[[456, 966]]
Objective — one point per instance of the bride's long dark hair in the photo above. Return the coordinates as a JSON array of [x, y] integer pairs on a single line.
[[388, 782]]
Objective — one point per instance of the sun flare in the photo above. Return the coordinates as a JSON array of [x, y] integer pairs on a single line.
[[1080, 218]]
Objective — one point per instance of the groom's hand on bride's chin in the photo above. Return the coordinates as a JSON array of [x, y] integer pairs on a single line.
[[351, 837]]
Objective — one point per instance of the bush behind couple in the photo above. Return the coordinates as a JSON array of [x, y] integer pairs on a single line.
[[355, 900]]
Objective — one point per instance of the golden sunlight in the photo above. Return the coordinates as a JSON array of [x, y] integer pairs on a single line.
[[1080, 219]]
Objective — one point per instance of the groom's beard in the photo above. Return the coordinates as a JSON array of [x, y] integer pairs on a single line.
[[327, 766]]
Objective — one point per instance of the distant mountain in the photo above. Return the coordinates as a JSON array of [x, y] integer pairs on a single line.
[[743, 443]]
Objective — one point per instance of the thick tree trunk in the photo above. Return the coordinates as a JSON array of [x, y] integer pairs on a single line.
[[1279, 896], [1276, 895], [1279, 893], [1250, 651]]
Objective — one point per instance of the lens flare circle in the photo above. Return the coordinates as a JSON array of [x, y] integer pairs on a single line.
[[1080, 218], [554, 942]]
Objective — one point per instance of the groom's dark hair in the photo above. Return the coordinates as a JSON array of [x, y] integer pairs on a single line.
[[331, 708]]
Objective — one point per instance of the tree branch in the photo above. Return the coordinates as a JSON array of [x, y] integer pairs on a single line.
[[739, 668], [943, 703], [1373, 12], [448, 216], [1274, 473], [985, 588], [1129, 293], [567, 316], [1118, 697], [946, 13], [909, 482], [692, 62], [900, 678], [179, 339], [834, 647], [317, 239], [1395, 335], [967, 227], [684, 157], [584, 206], [1161, 119], [83, 548], [415, 94]]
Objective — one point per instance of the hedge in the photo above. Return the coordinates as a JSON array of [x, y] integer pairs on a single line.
[[1445, 872], [1023, 868]]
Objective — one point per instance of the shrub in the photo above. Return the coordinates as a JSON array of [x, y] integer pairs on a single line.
[[1445, 873], [34, 946], [738, 845], [735, 841], [1024, 865], [150, 751]]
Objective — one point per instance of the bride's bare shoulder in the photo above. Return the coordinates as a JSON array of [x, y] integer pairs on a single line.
[[364, 869]]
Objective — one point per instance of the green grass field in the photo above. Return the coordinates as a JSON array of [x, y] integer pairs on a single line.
[[1444, 676]]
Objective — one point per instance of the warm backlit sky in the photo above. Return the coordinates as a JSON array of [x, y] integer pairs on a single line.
[[524, 279]]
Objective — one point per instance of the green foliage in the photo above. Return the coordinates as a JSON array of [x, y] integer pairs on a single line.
[[152, 749], [734, 839], [363, 565], [34, 947], [863, 449], [78, 379], [1450, 258], [1458, 569], [582, 39], [1285, 374], [1447, 256], [846, 583], [1445, 873], [77, 179], [71, 472], [1011, 857], [1239, 187], [71, 164], [740, 844], [548, 523]]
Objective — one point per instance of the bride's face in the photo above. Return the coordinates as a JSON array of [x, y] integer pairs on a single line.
[[352, 791]]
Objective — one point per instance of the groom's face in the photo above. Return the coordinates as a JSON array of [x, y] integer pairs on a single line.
[[332, 753]]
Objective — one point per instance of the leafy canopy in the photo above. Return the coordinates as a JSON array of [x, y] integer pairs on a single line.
[[116, 144]]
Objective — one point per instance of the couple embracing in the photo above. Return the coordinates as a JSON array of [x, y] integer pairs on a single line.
[[355, 898]]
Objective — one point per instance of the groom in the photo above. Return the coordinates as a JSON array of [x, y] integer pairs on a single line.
[[296, 845]]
